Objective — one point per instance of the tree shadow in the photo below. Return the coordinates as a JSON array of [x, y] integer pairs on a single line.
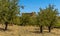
[[2, 29], [35, 31], [57, 27], [45, 32], [38, 31]]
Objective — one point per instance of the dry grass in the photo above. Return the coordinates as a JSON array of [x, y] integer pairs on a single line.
[[27, 31]]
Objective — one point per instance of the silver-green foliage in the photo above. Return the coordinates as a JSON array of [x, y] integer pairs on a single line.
[[48, 16], [9, 9]]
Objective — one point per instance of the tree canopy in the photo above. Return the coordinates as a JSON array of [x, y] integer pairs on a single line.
[[9, 9]]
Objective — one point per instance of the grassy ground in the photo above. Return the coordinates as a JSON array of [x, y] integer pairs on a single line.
[[27, 31]]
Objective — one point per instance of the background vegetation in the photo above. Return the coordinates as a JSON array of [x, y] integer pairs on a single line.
[[10, 14]]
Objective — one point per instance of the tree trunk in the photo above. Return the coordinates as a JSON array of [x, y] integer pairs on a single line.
[[49, 28], [41, 30], [6, 25]]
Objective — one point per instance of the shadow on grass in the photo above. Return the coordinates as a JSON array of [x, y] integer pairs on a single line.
[[2, 29], [38, 32]]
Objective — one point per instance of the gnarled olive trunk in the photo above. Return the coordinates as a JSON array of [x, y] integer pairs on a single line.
[[49, 28], [41, 29], [6, 25]]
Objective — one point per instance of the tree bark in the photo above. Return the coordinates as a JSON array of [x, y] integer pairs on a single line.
[[41, 29], [49, 28], [6, 25]]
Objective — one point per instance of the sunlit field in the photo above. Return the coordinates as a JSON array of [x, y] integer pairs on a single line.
[[27, 31]]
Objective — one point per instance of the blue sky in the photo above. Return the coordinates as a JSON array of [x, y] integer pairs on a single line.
[[34, 5]]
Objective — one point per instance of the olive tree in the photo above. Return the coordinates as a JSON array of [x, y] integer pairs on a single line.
[[9, 9], [47, 17]]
